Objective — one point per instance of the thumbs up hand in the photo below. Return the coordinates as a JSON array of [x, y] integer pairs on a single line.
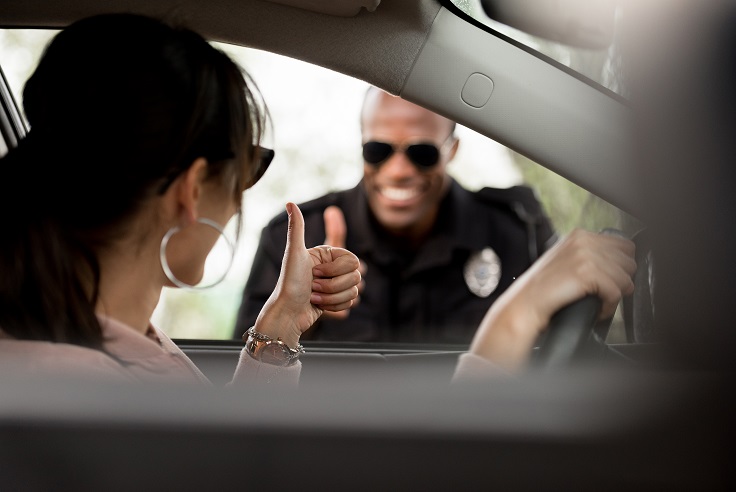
[[335, 233], [312, 281]]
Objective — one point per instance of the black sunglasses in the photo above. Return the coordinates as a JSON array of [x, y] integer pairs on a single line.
[[422, 155], [265, 156]]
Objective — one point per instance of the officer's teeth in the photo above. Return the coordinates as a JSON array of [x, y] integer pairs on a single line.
[[399, 193]]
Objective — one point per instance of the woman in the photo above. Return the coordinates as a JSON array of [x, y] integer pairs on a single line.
[[142, 135], [143, 138]]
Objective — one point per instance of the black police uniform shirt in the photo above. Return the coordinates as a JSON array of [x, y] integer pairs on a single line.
[[436, 294]]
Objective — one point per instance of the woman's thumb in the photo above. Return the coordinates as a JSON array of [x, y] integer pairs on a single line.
[[295, 234]]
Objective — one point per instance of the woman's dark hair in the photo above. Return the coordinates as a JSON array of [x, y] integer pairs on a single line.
[[119, 106]]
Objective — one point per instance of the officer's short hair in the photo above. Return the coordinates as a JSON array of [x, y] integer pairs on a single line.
[[371, 89]]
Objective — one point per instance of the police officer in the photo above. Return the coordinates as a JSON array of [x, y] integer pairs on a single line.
[[434, 256]]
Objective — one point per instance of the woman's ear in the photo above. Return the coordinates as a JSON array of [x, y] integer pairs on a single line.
[[189, 191]]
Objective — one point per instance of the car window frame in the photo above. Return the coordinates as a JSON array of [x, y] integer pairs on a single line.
[[12, 125]]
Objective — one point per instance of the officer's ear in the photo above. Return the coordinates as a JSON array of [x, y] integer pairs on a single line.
[[453, 149]]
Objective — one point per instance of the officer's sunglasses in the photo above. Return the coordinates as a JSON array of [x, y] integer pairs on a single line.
[[423, 155]]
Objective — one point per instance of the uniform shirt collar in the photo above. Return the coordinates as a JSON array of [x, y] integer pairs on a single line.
[[453, 230]]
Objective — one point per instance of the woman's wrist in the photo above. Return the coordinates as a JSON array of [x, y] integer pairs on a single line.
[[277, 323], [507, 334]]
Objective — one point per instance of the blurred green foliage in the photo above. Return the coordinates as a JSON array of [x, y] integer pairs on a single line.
[[569, 206]]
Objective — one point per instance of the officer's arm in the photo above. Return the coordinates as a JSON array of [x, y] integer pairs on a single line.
[[546, 234]]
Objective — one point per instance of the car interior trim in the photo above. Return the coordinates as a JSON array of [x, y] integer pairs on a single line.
[[560, 66], [588, 146], [397, 30], [12, 125], [343, 8]]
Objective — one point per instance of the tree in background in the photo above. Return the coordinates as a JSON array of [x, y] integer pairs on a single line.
[[570, 206]]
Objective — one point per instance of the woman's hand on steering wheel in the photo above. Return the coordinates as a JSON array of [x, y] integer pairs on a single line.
[[582, 263]]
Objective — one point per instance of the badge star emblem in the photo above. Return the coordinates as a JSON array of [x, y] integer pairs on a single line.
[[482, 272]]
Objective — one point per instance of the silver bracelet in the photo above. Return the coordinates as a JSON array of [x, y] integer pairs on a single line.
[[265, 349], [265, 338]]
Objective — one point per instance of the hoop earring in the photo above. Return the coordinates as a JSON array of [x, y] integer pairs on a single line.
[[170, 274]]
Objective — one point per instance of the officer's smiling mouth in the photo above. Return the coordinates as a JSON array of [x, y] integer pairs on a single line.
[[400, 194]]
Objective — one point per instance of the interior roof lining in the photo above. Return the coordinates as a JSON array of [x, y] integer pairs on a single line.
[[396, 30]]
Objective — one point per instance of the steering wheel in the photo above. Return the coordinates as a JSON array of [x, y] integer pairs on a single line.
[[639, 307], [574, 333]]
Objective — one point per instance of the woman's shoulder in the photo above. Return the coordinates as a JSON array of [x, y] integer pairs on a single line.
[[34, 358]]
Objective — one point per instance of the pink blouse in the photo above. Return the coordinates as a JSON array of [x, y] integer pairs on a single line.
[[127, 355]]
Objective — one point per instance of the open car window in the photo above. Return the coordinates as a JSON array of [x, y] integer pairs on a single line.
[[316, 134]]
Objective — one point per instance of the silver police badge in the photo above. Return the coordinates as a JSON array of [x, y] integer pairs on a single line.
[[482, 272]]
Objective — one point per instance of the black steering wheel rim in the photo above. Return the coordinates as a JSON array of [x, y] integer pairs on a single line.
[[638, 308]]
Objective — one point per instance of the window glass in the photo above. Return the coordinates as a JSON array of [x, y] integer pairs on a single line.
[[316, 135], [599, 65]]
